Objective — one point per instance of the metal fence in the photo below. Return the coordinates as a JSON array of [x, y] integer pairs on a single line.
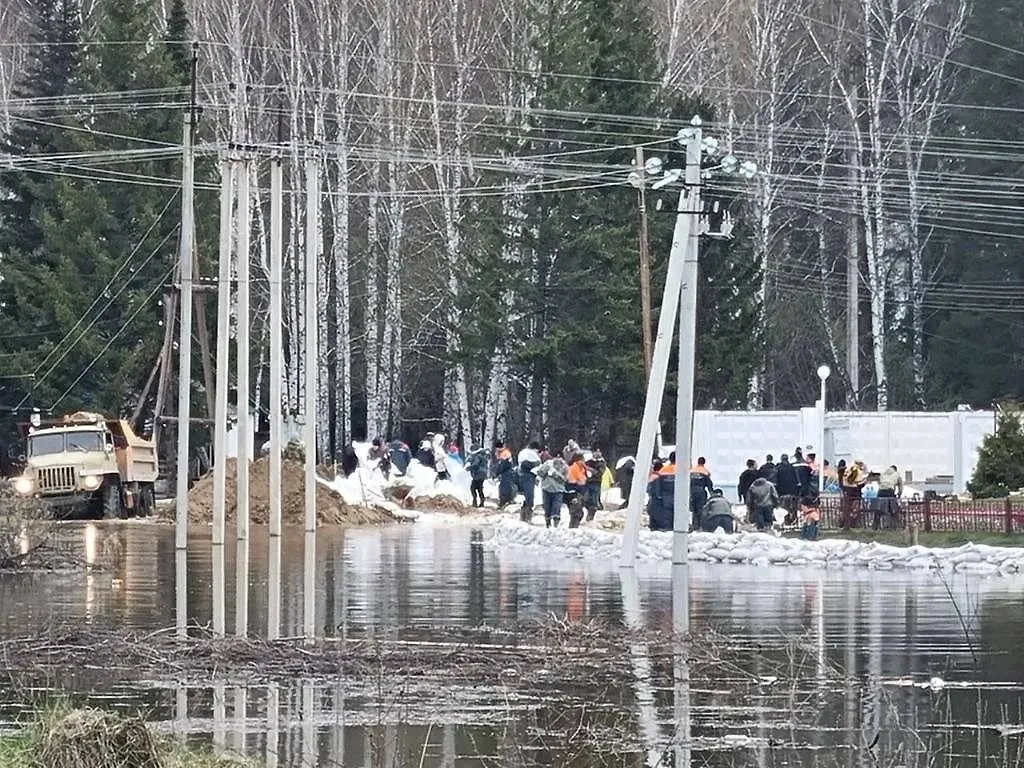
[[982, 515]]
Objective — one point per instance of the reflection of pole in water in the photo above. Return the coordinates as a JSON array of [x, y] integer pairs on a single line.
[[819, 617], [273, 724], [448, 747], [680, 665], [308, 726], [218, 717], [850, 673], [872, 718], [337, 755], [90, 562], [641, 662], [241, 715], [181, 710]]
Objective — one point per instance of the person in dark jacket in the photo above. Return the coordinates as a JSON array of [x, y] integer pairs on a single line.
[[700, 490], [803, 472], [761, 501], [662, 492], [476, 465], [717, 513], [596, 466], [349, 461], [400, 456], [425, 453], [768, 470], [788, 487], [624, 478], [529, 460], [504, 471], [747, 477]]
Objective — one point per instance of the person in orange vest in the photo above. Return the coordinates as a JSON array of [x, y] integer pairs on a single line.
[[576, 485], [662, 489], [701, 467]]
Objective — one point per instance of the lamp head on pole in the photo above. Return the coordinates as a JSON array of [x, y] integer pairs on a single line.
[[824, 372]]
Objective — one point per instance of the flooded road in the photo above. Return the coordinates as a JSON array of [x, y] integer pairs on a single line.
[[932, 662]]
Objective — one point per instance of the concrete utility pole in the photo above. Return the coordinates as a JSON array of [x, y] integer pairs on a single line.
[[312, 368], [680, 285], [185, 265], [276, 372], [242, 406], [228, 179], [645, 264], [687, 354], [656, 383]]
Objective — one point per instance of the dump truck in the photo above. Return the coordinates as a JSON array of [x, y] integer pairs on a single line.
[[85, 462]]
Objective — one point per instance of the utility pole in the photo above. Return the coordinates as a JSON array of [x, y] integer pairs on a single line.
[[242, 406], [656, 383], [680, 286], [185, 266], [312, 368], [645, 264], [687, 354], [276, 372], [853, 291], [228, 181]]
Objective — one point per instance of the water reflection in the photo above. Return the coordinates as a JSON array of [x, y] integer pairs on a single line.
[[887, 633]]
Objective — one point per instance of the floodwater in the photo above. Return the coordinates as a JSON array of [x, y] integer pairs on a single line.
[[815, 668]]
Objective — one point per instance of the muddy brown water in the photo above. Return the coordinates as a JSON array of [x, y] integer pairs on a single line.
[[934, 668]]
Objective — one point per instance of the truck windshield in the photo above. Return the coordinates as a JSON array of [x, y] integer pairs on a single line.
[[85, 441], [41, 445]]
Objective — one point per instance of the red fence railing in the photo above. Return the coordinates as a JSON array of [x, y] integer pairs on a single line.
[[981, 515]]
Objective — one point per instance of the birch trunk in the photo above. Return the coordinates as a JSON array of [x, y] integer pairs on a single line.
[[340, 231]]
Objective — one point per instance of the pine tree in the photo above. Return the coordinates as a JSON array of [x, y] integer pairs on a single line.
[[1000, 467], [104, 242]]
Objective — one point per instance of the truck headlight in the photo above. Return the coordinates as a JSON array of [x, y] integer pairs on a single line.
[[23, 485], [91, 482]]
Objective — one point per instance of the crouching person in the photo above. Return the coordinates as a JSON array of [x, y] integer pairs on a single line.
[[717, 513], [552, 474], [810, 512], [762, 499]]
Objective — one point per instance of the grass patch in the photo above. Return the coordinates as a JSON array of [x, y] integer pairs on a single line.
[[932, 539], [64, 737]]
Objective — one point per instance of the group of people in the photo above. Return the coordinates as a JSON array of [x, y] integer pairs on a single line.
[[566, 478]]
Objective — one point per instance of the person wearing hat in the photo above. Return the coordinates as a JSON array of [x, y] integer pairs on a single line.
[[717, 513], [854, 480]]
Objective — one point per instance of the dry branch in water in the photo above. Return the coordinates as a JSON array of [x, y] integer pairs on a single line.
[[26, 535]]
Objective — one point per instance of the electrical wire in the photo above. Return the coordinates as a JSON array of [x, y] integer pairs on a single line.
[[122, 329]]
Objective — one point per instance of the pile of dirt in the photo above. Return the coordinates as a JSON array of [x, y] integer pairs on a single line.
[[330, 507], [437, 503]]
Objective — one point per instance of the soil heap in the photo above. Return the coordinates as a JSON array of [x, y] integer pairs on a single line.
[[330, 507]]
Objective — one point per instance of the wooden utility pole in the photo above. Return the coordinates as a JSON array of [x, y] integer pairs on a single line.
[[645, 265]]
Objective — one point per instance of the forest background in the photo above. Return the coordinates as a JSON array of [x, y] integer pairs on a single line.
[[478, 272]]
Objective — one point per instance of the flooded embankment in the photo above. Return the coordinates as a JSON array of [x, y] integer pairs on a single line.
[[441, 652]]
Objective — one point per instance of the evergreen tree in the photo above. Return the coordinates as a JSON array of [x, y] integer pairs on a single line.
[[105, 243], [1000, 467]]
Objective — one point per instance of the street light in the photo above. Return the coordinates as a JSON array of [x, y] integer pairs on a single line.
[[823, 373]]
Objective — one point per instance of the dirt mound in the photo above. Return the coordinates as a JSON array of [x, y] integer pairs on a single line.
[[442, 503], [330, 507]]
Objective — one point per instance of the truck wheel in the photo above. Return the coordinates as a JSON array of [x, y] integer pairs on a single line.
[[113, 503]]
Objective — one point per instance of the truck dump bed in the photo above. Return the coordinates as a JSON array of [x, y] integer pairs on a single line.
[[136, 458]]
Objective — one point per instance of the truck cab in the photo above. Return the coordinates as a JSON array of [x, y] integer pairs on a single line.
[[85, 462]]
